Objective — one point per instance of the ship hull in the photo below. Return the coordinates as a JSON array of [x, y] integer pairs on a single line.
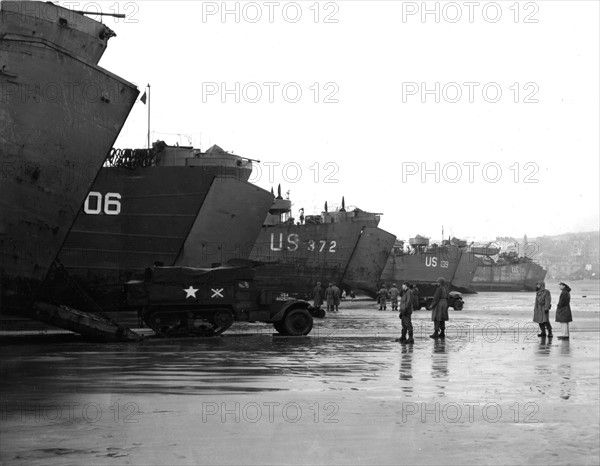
[[368, 261], [59, 117], [171, 215], [422, 267], [76, 34], [465, 273], [521, 276], [227, 225], [298, 256]]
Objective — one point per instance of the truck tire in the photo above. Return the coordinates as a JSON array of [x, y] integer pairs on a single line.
[[297, 322], [279, 327]]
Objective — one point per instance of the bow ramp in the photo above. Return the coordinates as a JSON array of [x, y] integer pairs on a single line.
[[91, 326]]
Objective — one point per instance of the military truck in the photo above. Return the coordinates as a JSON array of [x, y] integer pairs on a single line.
[[184, 301], [426, 292]]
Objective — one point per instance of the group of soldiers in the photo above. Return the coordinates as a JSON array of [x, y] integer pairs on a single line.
[[405, 301], [331, 295], [408, 299], [394, 293]]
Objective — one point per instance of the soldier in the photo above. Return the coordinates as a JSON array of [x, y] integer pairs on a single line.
[[382, 297], [330, 297], [406, 308], [541, 310], [439, 310], [415, 295], [394, 293], [563, 310], [318, 295], [336, 297]]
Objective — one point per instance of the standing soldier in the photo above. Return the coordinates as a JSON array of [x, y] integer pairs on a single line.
[[415, 295], [563, 310], [394, 293], [382, 294], [439, 310], [406, 308], [336, 297], [541, 310], [318, 295], [330, 297]]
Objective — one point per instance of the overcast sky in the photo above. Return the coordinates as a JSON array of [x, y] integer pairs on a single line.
[[497, 102]]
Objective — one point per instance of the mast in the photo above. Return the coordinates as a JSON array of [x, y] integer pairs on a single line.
[[148, 86]]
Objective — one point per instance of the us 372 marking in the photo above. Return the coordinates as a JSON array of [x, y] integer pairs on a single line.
[[293, 243]]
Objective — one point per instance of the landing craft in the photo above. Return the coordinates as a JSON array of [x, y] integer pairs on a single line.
[[344, 246], [45, 135], [423, 263], [170, 205], [505, 271]]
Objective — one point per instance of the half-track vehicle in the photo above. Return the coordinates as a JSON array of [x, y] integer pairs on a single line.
[[184, 301]]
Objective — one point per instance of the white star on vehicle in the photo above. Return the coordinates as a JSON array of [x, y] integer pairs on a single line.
[[191, 292]]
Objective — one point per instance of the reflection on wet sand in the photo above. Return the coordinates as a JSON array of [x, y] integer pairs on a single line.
[[406, 361], [545, 346], [542, 368], [439, 366], [567, 385], [220, 365]]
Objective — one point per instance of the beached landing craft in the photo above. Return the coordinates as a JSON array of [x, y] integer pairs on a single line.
[[423, 263], [60, 114], [506, 272], [344, 246], [170, 205]]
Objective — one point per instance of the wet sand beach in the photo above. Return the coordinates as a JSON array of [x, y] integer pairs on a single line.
[[491, 393]]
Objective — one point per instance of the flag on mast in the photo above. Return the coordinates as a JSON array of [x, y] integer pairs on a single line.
[[143, 98]]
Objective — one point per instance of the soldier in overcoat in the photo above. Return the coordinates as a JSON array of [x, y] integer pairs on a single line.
[[406, 308], [541, 309], [382, 296], [563, 310], [330, 298], [318, 295], [439, 309]]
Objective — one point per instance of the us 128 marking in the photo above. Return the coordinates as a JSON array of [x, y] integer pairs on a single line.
[[433, 262]]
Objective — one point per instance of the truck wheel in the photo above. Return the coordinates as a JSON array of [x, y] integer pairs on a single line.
[[458, 305], [279, 327], [298, 322]]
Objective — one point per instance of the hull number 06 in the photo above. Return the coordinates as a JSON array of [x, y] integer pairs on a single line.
[[95, 203]]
